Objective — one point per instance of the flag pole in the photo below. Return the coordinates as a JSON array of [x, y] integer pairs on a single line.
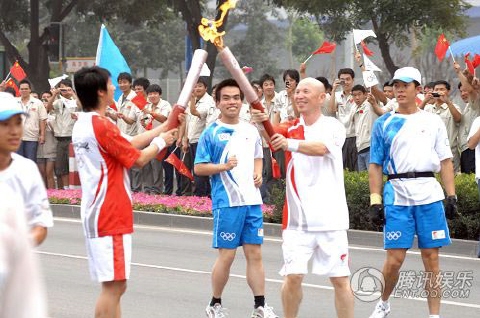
[[451, 53], [308, 58], [6, 78]]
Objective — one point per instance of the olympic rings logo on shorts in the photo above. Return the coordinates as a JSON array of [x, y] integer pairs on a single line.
[[227, 236], [393, 236]]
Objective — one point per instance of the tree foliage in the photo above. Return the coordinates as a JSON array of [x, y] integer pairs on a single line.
[[392, 21], [306, 38]]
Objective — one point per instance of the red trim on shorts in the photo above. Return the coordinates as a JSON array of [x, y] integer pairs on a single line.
[[118, 258]]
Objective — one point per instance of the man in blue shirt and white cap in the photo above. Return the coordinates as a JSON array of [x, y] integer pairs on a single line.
[[409, 145]]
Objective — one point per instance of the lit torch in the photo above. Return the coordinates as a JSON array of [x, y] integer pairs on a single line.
[[199, 58], [208, 31]]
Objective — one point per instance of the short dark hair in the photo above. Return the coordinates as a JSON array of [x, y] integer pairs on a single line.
[[347, 71], [203, 80], [429, 85], [88, 81], [225, 83], [10, 90], [459, 85], [67, 82], [266, 77], [442, 82], [25, 81], [124, 76], [387, 84], [46, 92], [154, 88], [359, 88], [292, 73], [141, 81], [324, 81]]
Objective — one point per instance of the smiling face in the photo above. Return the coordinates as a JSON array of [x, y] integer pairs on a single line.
[[309, 96], [11, 131], [347, 81], [229, 104], [124, 85]]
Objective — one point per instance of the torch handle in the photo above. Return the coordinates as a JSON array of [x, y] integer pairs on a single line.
[[172, 122], [266, 124]]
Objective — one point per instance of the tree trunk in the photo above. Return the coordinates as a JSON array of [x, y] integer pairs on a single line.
[[385, 50], [384, 47], [38, 65]]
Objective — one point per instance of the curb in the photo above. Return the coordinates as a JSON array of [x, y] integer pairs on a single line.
[[355, 237]]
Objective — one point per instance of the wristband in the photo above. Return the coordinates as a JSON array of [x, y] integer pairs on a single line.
[[159, 142], [375, 198], [260, 127], [293, 144]]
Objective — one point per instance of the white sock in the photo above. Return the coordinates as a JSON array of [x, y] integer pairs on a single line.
[[434, 316], [65, 188], [386, 304]]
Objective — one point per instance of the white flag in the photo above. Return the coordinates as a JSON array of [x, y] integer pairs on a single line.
[[205, 71], [369, 66], [54, 81], [359, 35], [369, 79]]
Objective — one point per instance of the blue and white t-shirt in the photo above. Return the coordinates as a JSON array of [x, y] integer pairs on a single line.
[[217, 143], [410, 143]]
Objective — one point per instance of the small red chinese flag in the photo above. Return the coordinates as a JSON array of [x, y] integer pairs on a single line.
[[179, 165], [442, 47], [113, 106], [11, 83], [275, 169], [476, 61], [325, 48], [366, 50], [17, 71], [469, 64], [140, 101]]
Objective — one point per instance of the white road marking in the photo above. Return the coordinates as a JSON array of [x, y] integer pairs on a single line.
[[278, 281], [270, 239]]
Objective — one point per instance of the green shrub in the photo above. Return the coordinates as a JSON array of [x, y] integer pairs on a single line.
[[465, 226]]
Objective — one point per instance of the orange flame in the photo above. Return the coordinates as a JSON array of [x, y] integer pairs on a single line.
[[208, 28]]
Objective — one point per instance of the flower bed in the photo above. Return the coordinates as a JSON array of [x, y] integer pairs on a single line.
[[185, 205]]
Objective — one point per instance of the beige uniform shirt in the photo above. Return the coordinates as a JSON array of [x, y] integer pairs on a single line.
[[270, 110], [447, 118], [363, 118], [162, 108], [344, 107], [36, 113], [130, 110], [470, 112], [195, 125], [64, 108]]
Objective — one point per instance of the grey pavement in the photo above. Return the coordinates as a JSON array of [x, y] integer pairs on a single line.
[[171, 275]]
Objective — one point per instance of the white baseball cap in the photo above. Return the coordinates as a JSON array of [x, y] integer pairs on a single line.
[[9, 106], [407, 74]]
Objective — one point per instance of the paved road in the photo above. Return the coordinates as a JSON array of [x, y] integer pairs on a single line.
[[171, 278]]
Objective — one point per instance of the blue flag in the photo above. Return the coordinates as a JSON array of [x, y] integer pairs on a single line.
[[109, 57]]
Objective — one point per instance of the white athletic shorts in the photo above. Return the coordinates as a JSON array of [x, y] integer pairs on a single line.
[[109, 257], [329, 250]]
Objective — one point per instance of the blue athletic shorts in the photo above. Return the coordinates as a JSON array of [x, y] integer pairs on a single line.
[[235, 226], [427, 221]]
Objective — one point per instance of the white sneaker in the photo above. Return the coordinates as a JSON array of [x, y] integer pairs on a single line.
[[381, 310], [263, 312], [216, 311]]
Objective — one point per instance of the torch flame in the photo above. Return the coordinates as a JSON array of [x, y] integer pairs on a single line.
[[208, 28]]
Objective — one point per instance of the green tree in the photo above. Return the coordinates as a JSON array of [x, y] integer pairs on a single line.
[[306, 38], [392, 21], [255, 43], [26, 14]]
